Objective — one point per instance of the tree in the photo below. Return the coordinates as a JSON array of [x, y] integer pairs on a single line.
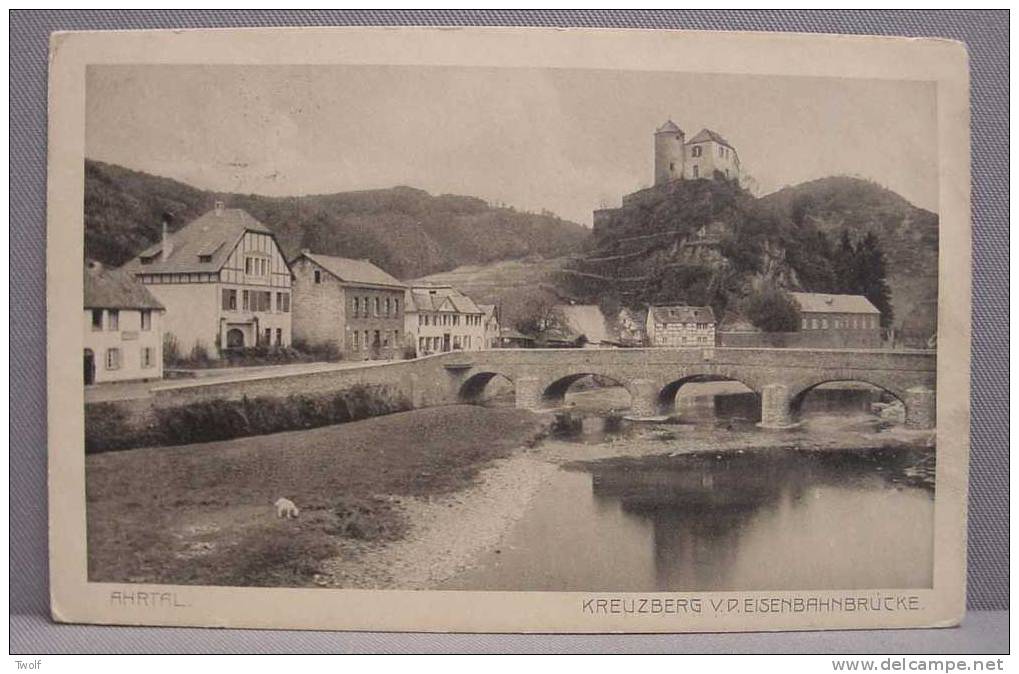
[[871, 277], [773, 310]]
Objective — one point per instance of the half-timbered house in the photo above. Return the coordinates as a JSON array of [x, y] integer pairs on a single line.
[[223, 280]]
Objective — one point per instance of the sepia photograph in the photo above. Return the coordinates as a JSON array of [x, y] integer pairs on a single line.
[[473, 328]]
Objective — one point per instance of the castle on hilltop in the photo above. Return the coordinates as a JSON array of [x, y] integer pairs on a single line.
[[706, 155]]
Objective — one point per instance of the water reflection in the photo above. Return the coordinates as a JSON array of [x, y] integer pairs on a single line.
[[767, 519]]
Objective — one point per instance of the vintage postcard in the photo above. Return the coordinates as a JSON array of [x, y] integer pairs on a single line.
[[508, 329]]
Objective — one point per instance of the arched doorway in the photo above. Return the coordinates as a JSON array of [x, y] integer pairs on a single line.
[[709, 399], [487, 388], [235, 338], [90, 367]]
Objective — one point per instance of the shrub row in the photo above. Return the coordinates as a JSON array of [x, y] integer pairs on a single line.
[[108, 427]]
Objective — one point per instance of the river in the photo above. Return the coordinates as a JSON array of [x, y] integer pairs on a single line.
[[715, 503]]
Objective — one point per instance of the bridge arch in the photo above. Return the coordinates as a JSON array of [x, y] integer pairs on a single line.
[[554, 391], [667, 394], [472, 390], [918, 401]]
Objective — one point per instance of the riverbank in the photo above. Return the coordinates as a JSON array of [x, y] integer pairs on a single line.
[[203, 514]]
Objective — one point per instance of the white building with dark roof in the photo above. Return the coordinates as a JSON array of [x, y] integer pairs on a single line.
[[123, 328], [350, 304], [441, 318], [223, 280], [680, 326]]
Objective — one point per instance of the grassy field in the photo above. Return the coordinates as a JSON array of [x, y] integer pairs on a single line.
[[203, 514]]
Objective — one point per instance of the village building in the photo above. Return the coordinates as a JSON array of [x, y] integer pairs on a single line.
[[491, 323], [440, 318], [680, 326], [123, 328], [350, 304], [223, 280], [511, 338], [706, 155], [839, 320]]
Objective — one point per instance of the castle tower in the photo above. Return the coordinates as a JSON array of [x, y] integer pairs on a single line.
[[669, 153]]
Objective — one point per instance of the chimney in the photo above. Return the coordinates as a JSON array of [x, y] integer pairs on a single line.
[[219, 209], [167, 247]]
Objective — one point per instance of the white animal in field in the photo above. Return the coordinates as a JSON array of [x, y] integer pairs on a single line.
[[285, 508]]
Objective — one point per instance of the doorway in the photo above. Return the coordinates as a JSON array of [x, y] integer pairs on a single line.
[[234, 338], [90, 367]]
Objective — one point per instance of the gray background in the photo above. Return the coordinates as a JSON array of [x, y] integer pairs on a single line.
[[986, 34]]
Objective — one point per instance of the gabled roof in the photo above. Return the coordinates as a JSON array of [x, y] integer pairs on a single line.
[[348, 270], [668, 127], [682, 314], [214, 235], [441, 298], [707, 134], [587, 320], [838, 304], [115, 289]]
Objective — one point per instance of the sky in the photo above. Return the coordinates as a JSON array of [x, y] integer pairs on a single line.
[[568, 141]]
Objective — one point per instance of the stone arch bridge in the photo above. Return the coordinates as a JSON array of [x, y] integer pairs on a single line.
[[780, 377]]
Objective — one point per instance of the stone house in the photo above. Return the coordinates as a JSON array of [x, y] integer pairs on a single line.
[[441, 318], [223, 280], [842, 320], [351, 304], [680, 326], [123, 328]]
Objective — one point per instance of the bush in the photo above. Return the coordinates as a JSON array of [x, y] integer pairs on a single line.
[[773, 310], [108, 427]]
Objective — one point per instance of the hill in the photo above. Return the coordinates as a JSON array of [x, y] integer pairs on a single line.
[[711, 242], [908, 236], [404, 230]]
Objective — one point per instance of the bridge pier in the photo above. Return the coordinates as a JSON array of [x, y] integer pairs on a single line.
[[528, 393], [776, 407], [643, 399], [921, 407]]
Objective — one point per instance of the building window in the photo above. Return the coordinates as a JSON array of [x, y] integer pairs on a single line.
[[97, 320], [387, 307], [377, 304], [804, 324], [378, 337], [356, 306], [281, 304], [396, 308], [318, 276], [721, 151], [147, 360], [256, 266], [146, 319], [696, 171], [245, 300], [279, 336], [229, 299], [672, 166], [385, 339], [696, 152], [113, 320], [268, 336], [824, 323], [813, 324], [112, 359], [421, 344], [265, 301]]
